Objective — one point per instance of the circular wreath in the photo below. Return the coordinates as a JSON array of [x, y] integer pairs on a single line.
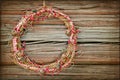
[[18, 47]]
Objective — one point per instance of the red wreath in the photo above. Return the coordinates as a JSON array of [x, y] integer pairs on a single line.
[[18, 48]]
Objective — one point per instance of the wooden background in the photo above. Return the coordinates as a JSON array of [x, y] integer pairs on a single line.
[[98, 41]]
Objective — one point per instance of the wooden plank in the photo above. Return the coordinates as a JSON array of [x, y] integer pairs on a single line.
[[68, 12], [86, 7], [112, 29], [78, 20], [94, 38], [52, 45], [71, 16], [61, 34], [74, 18], [87, 53], [83, 23], [81, 72], [59, 46], [65, 4], [106, 40], [59, 38], [42, 32], [85, 59]]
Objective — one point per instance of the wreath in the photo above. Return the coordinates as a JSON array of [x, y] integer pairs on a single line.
[[18, 47]]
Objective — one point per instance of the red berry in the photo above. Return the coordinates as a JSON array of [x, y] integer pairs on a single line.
[[15, 29]]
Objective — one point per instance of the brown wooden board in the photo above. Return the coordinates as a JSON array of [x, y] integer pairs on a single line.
[[48, 52], [98, 41], [76, 72]]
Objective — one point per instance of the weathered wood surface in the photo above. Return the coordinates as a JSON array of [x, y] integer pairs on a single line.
[[50, 33], [87, 54], [78, 72], [98, 42]]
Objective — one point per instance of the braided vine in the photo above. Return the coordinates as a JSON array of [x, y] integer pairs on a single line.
[[18, 47]]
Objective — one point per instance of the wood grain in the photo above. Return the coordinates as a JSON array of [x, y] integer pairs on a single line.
[[78, 72], [57, 33], [48, 52], [98, 41], [77, 7]]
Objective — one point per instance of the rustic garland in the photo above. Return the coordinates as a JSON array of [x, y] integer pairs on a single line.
[[18, 47]]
